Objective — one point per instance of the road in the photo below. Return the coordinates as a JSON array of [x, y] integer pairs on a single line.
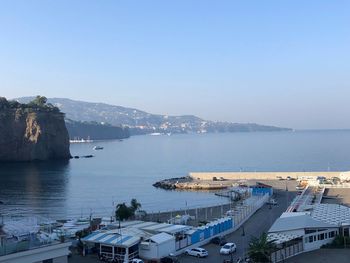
[[260, 222]]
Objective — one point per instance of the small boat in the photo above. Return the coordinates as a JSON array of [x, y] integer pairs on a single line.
[[98, 148]]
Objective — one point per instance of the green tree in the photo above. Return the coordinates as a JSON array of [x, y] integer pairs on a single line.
[[135, 205], [39, 101], [123, 212], [261, 248]]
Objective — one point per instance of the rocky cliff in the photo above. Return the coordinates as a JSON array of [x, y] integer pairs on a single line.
[[32, 134]]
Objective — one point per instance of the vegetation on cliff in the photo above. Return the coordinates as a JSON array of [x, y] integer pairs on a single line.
[[38, 104]]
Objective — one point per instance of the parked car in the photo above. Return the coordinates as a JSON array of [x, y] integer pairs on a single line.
[[220, 240], [137, 260], [228, 248], [197, 252], [272, 202]]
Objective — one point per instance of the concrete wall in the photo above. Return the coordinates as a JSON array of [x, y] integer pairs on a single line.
[[58, 251], [259, 175]]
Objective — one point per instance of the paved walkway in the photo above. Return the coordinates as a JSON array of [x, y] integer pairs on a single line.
[[260, 222]]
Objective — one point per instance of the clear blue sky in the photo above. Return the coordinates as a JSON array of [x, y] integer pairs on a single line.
[[284, 63]]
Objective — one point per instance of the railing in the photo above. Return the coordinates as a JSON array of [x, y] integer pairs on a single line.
[[287, 252], [15, 247], [343, 185]]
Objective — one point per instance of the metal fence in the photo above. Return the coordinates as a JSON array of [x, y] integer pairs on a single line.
[[287, 252]]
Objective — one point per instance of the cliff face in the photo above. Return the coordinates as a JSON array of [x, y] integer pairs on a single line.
[[28, 135]]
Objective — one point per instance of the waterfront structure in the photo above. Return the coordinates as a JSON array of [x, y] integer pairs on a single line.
[[308, 224], [55, 252], [151, 240], [27, 241]]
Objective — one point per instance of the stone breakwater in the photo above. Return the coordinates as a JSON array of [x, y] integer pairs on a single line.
[[187, 183]]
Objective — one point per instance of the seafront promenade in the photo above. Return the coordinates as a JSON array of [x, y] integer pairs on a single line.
[[258, 175]]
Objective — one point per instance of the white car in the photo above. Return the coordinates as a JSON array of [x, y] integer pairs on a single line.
[[228, 248], [137, 260], [197, 252]]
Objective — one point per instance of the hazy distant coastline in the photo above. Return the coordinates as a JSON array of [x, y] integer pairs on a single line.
[[141, 122]]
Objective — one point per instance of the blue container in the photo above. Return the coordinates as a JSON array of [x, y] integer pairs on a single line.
[[195, 237], [206, 233]]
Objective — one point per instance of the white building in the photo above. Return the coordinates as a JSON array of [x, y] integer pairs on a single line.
[[157, 246], [298, 232]]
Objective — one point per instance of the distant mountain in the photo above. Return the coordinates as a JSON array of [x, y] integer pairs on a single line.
[[140, 122]]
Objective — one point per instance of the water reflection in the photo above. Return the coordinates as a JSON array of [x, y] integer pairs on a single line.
[[30, 188]]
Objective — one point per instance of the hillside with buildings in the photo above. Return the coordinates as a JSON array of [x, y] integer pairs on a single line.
[[141, 122]]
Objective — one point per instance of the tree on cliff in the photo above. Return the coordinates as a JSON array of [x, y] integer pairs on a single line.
[[4, 104], [39, 101]]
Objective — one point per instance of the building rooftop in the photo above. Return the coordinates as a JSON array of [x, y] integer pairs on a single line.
[[333, 214], [297, 222], [114, 239], [161, 238]]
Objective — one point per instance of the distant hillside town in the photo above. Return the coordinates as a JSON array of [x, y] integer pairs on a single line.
[[140, 122]]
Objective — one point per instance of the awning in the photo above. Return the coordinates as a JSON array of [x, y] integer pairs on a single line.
[[116, 240]]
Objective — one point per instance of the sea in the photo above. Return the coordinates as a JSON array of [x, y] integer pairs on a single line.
[[127, 169]]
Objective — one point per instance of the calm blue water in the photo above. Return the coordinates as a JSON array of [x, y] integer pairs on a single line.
[[127, 169]]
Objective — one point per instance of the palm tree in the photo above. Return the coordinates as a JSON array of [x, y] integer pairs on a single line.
[[261, 248], [135, 204], [123, 212]]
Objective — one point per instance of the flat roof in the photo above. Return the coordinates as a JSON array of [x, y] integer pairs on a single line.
[[157, 227], [175, 229], [111, 239], [297, 222], [161, 238], [333, 214]]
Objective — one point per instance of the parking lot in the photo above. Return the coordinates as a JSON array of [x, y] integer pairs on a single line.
[[260, 222]]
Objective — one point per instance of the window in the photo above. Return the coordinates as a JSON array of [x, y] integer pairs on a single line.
[[306, 239], [331, 234], [311, 239]]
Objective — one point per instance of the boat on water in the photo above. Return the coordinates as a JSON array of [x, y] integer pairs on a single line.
[[77, 140], [98, 148], [155, 134]]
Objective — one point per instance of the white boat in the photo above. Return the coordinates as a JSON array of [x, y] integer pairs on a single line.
[[98, 148], [81, 140]]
